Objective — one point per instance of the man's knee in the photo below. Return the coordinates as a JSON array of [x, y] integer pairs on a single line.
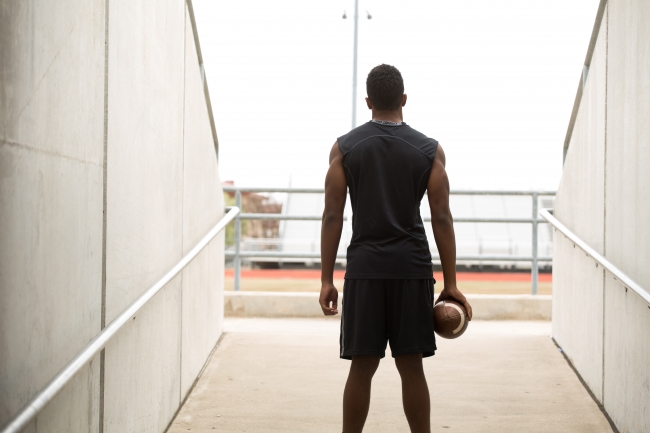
[[409, 364], [365, 364]]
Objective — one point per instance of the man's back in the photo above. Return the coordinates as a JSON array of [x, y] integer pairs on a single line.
[[387, 166]]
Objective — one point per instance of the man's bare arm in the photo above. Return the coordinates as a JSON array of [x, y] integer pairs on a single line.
[[335, 196], [443, 229]]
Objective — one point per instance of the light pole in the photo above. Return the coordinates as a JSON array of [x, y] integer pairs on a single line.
[[354, 61]]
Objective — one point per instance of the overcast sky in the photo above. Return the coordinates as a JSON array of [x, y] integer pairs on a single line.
[[493, 81]]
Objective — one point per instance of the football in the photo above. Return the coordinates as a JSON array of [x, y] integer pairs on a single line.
[[449, 319]]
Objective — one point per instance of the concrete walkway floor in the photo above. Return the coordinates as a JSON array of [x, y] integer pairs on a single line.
[[284, 375]]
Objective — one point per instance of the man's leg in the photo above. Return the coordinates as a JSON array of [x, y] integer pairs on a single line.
[[356, 398], [415, 392]]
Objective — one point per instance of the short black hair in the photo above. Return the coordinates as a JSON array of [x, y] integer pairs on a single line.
[[385, 87]]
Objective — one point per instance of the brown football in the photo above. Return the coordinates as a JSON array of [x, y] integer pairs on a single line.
[[449, 319]]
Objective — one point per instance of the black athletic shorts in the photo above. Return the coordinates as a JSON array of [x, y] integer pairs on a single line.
[[399, 312]]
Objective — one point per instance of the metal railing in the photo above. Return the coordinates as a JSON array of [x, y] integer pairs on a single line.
[[36, 404], [237, 254], [609, 266]]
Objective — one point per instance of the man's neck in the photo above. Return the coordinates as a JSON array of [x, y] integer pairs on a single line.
[[388, 116]]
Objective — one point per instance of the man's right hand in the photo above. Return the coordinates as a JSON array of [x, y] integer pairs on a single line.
[[329, 299]]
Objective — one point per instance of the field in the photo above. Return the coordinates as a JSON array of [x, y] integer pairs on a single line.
[[300, 280]]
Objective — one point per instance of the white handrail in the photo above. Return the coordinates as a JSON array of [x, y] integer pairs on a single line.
[[609, 266], [31, 409]]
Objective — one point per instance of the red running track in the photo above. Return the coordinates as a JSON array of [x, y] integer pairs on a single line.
[[314, 274]]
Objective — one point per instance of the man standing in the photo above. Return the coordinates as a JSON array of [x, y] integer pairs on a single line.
[[387, 166]]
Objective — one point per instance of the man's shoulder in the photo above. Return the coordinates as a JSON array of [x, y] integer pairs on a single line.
[[416, 133], [420, 140], [361, 132]]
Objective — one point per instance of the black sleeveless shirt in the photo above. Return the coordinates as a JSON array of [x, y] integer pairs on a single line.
[[387, 168]]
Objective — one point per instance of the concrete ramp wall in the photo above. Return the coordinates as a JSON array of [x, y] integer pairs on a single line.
[[108, 175], [603, 328]]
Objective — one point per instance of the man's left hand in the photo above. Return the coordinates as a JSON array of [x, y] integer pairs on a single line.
[[452, 292]]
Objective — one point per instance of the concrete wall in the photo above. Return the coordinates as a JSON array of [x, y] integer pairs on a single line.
[[108, 175], [627, 220], [144, 210], [202, 286], [601, 326], [577, 282], [51, 177]]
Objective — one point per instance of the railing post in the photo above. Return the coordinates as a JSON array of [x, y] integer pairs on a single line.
[[237, 240], [534, 271]]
